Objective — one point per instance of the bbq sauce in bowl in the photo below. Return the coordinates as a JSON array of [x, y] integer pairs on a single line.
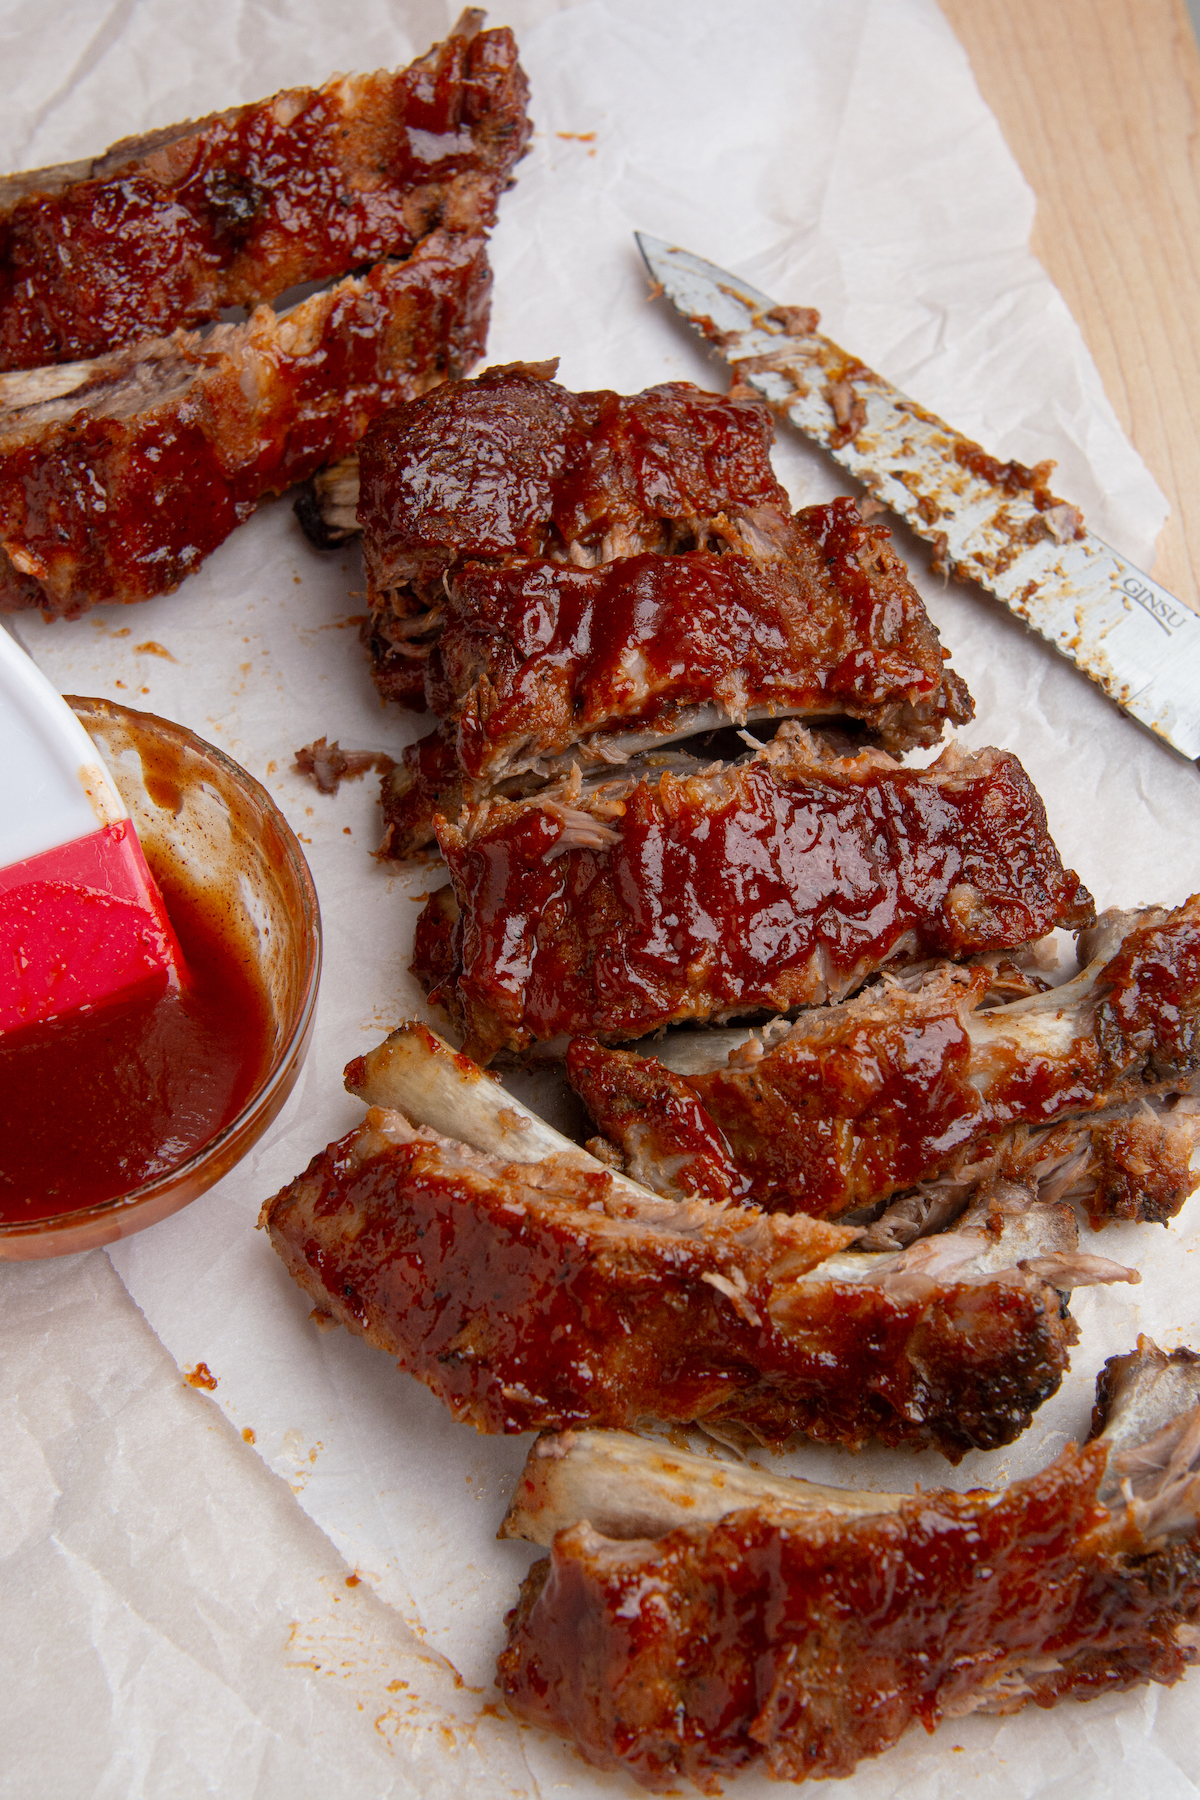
[[94, 1106], [112, 1123]]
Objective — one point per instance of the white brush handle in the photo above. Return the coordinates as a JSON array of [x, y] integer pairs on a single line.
[[53, 786]]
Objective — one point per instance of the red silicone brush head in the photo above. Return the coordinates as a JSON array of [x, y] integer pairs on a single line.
[[82, 923], [82, 926]]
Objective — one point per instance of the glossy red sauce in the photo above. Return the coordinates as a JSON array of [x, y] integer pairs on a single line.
[[656, 1657], [535, 651], [525, 1310], [92, 1108], [750, 898]]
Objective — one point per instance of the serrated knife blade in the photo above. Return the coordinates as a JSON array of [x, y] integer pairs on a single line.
[[992, 522]]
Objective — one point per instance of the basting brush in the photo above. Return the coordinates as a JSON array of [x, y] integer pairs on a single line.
[[82, 923]]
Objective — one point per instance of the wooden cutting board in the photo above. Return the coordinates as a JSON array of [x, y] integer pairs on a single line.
[[1100, 103]]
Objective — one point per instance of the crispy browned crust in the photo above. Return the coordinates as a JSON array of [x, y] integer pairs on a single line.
[[426, 780], [805, 1643], [435, 947], [116, 495], [522, 1303], [164, 231]]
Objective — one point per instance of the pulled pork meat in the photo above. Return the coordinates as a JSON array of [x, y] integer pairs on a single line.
[[232, 210], [428, 780], [783, 880], [694, 1619], [118, 476], [1091, 1089], [528, 1285]]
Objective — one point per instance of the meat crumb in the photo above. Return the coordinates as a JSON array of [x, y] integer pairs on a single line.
[[1063, 522], [200, 1377], [328, 765], [849, 412], [797, 321]]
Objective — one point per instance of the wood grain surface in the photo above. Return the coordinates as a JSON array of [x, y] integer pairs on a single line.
[[1100, 103]]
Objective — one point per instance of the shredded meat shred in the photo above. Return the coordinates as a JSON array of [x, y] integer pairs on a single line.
[[780, 881], [327, 765], [799, 1634]]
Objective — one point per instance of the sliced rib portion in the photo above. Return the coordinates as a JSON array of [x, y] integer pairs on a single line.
[[527, 1285], [164, 231], [596, 574], [802, 1630], [512, 464], [1090, 1089], [118, 476], [535, 660], [783, 880]]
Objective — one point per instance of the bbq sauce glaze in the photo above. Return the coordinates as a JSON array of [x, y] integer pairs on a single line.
[[91, 1107]]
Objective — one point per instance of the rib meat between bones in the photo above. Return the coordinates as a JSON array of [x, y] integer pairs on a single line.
[[1089, 1087], [527, 1285], [164, 231], [685, 1625], [596, 573], [535, 659], [118, 476], [780, 881]]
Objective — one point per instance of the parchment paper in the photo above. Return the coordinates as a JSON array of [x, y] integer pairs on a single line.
[[836, 153]]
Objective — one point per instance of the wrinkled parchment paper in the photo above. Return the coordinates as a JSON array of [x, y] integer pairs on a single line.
[[835, 153]]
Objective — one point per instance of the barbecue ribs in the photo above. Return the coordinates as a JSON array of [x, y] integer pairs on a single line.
[[118, 476], [1090, 1088], [166, 230], [779, 881], [582, 576], [527, 1285], [686, 1625]]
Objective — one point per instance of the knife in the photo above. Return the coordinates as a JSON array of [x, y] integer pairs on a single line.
[[994, 522]]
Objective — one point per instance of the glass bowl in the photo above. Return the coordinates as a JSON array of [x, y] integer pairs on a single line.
[[206, 825]]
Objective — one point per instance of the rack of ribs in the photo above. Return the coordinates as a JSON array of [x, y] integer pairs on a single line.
[[528, 1285], [1092, 1089], [694, 1619], [130, 444], [783, 880], [577, 577], [119, 475], [167, 230]]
